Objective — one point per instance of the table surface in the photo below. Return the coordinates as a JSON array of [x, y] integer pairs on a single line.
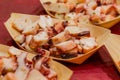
[[98, 67]]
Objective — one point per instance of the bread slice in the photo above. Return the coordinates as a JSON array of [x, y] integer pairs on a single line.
[[88, 43], [42, 37], [9, 64], [77, 31], [20, 23], [45, 21], [66, 46], [59, 27], [61, 37], [39, 39], [31, 29], [22, 70], [70, 16], [72, 51], [14, 51]]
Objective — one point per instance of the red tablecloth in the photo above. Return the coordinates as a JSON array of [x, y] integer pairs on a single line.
[[97, 67]]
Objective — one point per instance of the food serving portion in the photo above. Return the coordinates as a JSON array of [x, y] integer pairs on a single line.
[[21, 65], [95, 11], [61, 38]]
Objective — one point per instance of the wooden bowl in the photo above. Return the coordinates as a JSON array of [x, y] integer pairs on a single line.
[[101, 34], [106, 24], [63, 72]]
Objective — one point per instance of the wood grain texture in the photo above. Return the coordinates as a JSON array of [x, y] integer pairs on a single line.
[[113, 47], [98, 32]]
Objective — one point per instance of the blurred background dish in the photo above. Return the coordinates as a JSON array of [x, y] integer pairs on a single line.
[[102, 13]]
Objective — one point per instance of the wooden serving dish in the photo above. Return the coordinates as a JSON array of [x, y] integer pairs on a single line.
[[99, 33], [62, 71], [106, 24], [112, 45]]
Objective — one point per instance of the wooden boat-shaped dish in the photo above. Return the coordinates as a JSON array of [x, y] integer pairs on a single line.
[[63, 72], [112, 45], [99, 33], [105, 24]]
